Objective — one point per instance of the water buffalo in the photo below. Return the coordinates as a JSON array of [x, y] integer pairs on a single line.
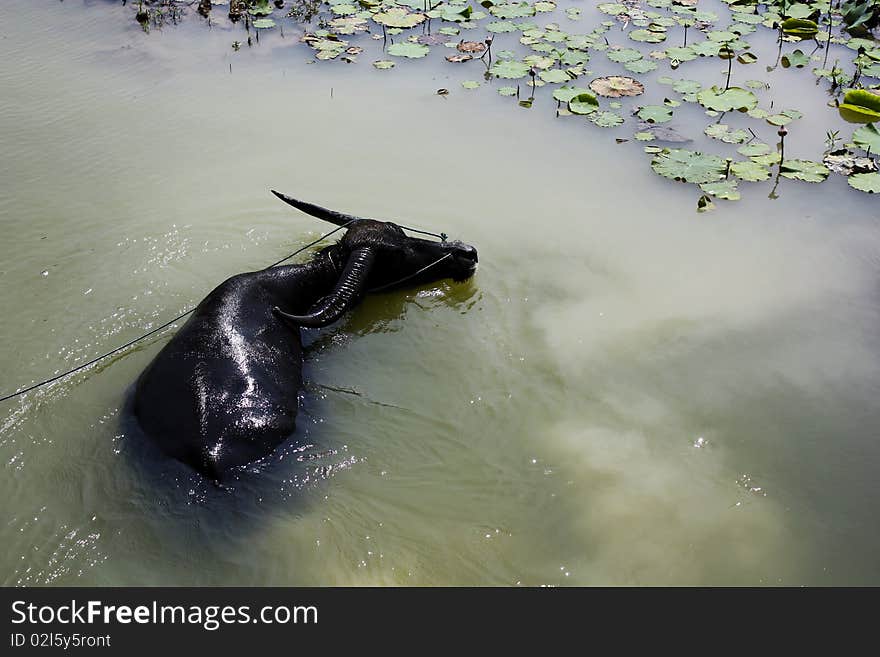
[[223, 391]]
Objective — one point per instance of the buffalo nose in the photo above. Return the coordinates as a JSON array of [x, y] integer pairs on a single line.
[[466, 251]]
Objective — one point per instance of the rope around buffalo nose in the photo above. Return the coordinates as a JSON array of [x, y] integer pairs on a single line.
[[156, 330]]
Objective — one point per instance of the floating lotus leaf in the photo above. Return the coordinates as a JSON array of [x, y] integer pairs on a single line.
[[383, 64], [509, 69], [565, 94], [613, 8], [800, 27], [647, 36], [606, 119], [712, 48], [865, 182], [747, 58], [398, 17], [539, 61], [734, 98], [754, 148], [449, 30], [458, 59], [798, 10], [545, 6], [263, 23], [470, 84], [348, 25], [749, 171], [640, 66], [867, 138], [573, 13], [681, 53], [797, 59], [749, 19], [705, 204], [408, 49], [689, 166], [615, 86], [644, 136], [655, 114], [805, 170], [725, 189], [344, 9], [583, 104], [860, 106], [554, 75], [500, 27], [722, 132], [767, 160], [623, 55], [507, 91], [687, 87], [512, 10], [260, 8]]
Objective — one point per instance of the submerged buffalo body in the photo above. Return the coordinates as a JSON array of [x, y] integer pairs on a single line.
[[223, 392]]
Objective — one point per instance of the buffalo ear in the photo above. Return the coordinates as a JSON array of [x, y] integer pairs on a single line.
[[336, 218]]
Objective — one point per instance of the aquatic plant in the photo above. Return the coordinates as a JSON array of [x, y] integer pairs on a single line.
[[639, 36]]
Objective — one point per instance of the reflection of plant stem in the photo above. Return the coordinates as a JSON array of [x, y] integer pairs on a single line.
[[685, 36], [828, 41], [729, 69], [779, 52], [781, 147]]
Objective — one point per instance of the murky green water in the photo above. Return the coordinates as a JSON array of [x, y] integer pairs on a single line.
[[626, 393]]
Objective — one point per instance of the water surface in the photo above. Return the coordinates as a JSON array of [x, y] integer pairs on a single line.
[[626, 393]]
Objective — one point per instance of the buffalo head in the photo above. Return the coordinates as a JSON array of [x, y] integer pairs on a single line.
[[377, 256]]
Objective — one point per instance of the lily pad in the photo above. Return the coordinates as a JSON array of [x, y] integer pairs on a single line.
[[865, 182], [615, 86], [722, 132], [725, 189], [509, 69], [689, 166], [687, 87], [800, 28], [622, 55], [507, 91], [263, 23], [867, 138], [640, 66], [470, 84], [805, 170], [754, 148], [583, 104], [554, 75], [408, 49], [398, 17], [565, 94], [383, 64], [734, 98], [749, 171], [655, 113], [606, 119], [860, 106], [797, 59]]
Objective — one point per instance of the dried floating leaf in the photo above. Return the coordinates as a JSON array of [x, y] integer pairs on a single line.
[[616, 86], [457, 59], [471, 46]]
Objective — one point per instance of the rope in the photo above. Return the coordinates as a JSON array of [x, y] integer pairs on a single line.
[[406, 278], [155, 330]]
